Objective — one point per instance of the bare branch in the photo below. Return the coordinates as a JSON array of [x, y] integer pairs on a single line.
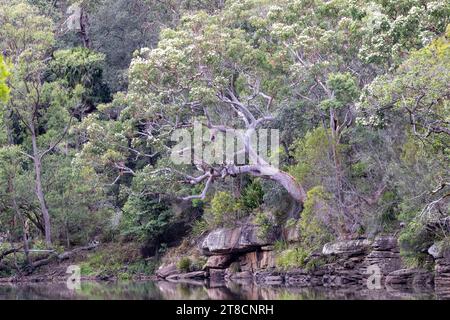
[[58, 141], [201, 196]]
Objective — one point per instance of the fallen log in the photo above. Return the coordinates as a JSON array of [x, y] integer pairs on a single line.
[[58, 257], [9, 251]]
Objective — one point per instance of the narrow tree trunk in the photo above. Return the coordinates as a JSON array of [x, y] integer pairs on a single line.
[[39, 190], [339, 175], [66, 227], [84, 32]]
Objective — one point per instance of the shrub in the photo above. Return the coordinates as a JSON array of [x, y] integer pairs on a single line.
[[291, 258], [311, 155], [223, 210], [184, 264], [252, 196], [291, 223], [389, 204], [112, 259], [315, 262], [198, 263], [146, 267], [199, 227], [145, 218], [414, 242], [280, 245], [265, 225], [315, 221], [235, 267]]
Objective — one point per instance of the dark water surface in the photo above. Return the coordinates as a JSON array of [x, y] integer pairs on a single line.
[[199, 291]]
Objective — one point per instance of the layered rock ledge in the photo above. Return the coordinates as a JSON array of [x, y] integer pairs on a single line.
[[240, 255]]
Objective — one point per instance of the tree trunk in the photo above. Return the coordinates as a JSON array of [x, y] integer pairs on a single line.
[[54, 256], [40, 191], [84, 32], [288, 182], [26, 247]]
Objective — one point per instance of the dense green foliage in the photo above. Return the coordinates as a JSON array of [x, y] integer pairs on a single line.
[[4, 91], [358, 89]]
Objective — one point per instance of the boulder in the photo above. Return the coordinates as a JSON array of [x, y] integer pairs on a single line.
[[440, 251], [386, 243], [167, 270], [219, 261], [349, 247], [435, 251], [232, 240]]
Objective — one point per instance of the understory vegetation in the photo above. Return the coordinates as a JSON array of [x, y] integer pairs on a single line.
[[91, 93]]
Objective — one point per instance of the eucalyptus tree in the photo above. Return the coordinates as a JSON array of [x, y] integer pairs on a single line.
[[335, 49], [244, 66], [416, 98], [419, 88], [209, 68], [44, 109], [27, 39]]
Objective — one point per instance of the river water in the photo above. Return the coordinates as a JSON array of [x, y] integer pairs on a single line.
[[162, 290]]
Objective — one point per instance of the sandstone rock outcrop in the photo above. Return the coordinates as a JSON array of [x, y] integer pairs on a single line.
[[219, 261], [384, 254], [410, 278], [350, 247], [238, 255], [249, 261], [260, 275], [441, 255], [232, 240], [266, 259], [347, 263]]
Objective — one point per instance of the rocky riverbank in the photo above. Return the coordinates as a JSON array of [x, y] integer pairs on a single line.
[[240, 255]]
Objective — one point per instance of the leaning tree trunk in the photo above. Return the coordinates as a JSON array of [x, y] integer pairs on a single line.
[[258, 166], [39, 190], [288, 182]]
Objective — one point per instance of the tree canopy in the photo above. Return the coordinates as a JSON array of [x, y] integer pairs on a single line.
[[94, 97]]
